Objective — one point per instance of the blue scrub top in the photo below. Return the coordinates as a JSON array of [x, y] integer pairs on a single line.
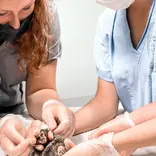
[[132, 70]]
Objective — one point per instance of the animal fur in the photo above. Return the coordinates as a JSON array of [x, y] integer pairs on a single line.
[[50, 147]]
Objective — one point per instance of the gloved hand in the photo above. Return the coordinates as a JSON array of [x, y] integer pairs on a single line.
[[83, 151], [59, 118], [101, 146], [34, 130], [13, 134], [120, 123], [17, 134]]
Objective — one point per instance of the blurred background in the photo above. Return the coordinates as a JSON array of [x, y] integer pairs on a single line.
[[76, 74]]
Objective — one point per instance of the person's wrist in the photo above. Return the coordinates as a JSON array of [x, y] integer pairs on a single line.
[[119, 141], [51, 102], [116, 143], [128, 119]]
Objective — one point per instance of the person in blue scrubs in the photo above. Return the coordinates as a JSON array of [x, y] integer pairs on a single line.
[[125, 54]]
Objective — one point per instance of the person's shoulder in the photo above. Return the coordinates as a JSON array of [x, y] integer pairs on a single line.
[[106, 19], [52, 6], [54, 18], [107, 14]]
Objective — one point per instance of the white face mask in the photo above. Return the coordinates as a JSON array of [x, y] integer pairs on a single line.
[[116, 4]]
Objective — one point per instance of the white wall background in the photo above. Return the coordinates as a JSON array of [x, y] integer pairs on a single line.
[[76, 76]]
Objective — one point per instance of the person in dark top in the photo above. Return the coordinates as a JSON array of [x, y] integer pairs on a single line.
[[29, 49]]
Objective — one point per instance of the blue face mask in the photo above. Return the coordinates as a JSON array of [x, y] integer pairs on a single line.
[[7, 33]]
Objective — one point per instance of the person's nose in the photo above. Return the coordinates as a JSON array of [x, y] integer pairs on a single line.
[[15, 22]]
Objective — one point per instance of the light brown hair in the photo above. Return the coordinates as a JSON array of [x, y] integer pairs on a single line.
[[33, 44]]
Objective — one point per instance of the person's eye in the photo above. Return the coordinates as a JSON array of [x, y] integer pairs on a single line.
[[3, 14], [27, 8]]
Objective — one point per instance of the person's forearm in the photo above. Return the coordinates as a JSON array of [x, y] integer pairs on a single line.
[[142, 135], [95, 113], [36, 100], [144, 114]]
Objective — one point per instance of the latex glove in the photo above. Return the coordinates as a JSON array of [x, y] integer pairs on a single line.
[[120, 123], [70, 144], [34, 130], [18, 134], [59, 118], [13, 135], [101, 146], [78, 149]]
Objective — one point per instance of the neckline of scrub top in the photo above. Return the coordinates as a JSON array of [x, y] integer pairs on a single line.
[[145, 30]]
